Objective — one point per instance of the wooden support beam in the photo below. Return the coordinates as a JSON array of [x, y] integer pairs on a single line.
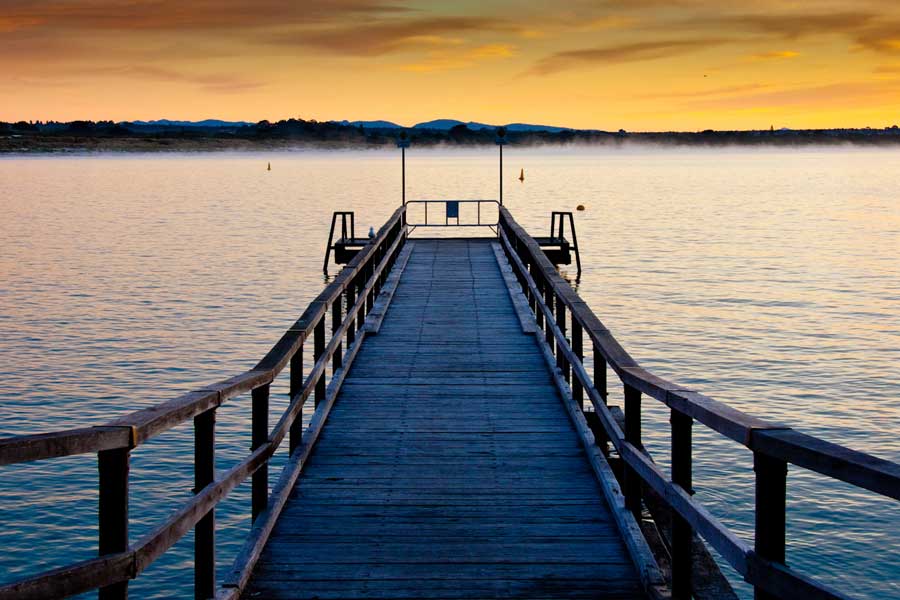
[[318, 351], [205, 530], [682, 532], [561, 361], [296, 431], [632, 481], [351, 330], [260, 435], [549, 299], [113, 512], [771, 500], [578, 349], [336, 309]]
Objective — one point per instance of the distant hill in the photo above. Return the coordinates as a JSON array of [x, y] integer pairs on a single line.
[[204, 123], [435, 125], [447, 124], [370, 124], [213, 134]]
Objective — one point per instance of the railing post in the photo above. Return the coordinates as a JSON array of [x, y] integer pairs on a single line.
[[374, 262], [600, 386], [771, 496], [561, 361], [632, 483], [351, 300], [205, 530], [260, 435], [337, 359], [600, 375], [318, 352], [113, 512], [361, 315], [538, 313], [578, 350], [548, 329], [370, 296], [682, 533], [296, 431]]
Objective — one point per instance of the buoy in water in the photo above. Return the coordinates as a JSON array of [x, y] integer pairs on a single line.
[[579, 207], [522, 175], [269, 168]]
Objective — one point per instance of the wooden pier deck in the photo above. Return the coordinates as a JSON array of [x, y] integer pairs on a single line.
[[448, 467], [461, 446]]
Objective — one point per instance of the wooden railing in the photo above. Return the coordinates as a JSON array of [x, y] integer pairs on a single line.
[[561, 312], [348, 299]]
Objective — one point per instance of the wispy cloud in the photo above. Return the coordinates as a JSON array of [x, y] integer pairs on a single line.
[[709, 93], [640, 51], [443, 60], [838, 95], [884, 38], [174, 15], [383, 37], [795, 25], [213, 82], [775, 55]]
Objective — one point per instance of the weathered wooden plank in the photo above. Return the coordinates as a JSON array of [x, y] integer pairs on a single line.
[[459, 551], [581, 588], [27, 448], [835, 461], [427, 531], [448, 440], [445, 571]]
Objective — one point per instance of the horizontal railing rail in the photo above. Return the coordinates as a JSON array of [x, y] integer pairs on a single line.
[[560, 311], [451, 210], [348, 299], [565, 319]]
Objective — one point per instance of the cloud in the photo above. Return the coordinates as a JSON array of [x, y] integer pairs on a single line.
[[442, 60], [607, 22], [640, 51], [388, 36], [793, 26], [213, 82], [715, 92], [775, 55], [884, 38], [838, 95], [179, 15]]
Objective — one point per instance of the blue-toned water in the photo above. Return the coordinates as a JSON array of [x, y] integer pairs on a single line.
[[768, 279]]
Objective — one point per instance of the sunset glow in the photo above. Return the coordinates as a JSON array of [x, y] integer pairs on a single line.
[[638, 65]]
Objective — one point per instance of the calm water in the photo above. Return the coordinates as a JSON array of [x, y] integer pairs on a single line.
[[768, 279]]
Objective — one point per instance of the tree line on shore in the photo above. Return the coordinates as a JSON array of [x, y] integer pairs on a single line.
[[94, 134]]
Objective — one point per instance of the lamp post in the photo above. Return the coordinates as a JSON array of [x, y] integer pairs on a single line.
[[403, 144], [500, 141]]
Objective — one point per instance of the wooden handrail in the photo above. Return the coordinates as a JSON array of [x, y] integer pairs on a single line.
[[360, 281], [149, 422], [777, 444], [774, 445]]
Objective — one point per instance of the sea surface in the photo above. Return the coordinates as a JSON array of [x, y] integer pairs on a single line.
[[767, 278]]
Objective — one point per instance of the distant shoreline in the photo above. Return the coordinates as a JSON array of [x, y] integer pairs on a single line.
[[62, 146], [293, 134]]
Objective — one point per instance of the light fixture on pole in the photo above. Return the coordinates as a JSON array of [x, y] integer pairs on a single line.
[[500, 141], [403, 144]]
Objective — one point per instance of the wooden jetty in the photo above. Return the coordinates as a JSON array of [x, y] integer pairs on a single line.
[[459, 448]]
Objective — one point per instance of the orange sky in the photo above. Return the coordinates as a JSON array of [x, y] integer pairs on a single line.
[[606, 64]]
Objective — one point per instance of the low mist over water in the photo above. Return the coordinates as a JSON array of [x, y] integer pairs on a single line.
[[768, 279]]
